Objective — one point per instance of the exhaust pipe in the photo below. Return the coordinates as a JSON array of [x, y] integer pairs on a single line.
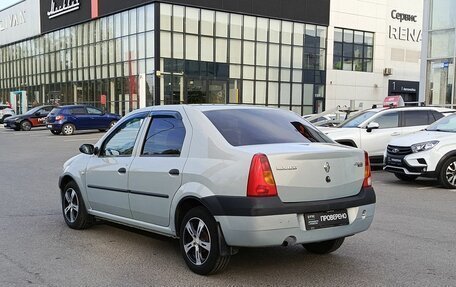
[[289, 241]]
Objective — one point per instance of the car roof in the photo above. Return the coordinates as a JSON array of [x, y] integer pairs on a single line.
[[439, 109]]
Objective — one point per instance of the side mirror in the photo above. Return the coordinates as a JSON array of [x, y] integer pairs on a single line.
[[87, 149], [372, 126]]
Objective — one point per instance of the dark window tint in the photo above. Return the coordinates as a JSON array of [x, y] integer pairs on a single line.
[[435, 116], [415, 118], [387, 121], [122, 141], [165, 137], [94, 111], [55, 111], [78, 111], [263, 126]]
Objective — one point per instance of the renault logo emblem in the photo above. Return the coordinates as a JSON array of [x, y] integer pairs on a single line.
[[327, 167]]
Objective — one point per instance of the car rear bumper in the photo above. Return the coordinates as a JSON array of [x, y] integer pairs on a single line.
[[54, 127], [257, 222], [273, 230]]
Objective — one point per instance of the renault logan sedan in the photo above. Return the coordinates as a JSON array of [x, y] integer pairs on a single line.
[[221, 177]]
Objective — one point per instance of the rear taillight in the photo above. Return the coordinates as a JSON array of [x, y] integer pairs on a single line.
[[367, 171], [59, 118], [261, 180]]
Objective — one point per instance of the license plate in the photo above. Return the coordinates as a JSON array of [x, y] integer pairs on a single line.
[[393, 160], [326, 219], [49, 126]]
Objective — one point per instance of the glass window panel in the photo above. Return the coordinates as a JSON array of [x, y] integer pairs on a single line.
[[141, 19], [235, 71], [178, 18], [284, 93], [207, 49], [321, 34], [165, 16], [337, 63], [260, 93], [261, 53], [285, 75], [221, 28], [441, 44], [296, 94], [249, 72], [358, 37], [236, 26], [124, 23], [338, 49], [247, 92], [133, 19], [249, 53], [308, 94], [368, 65], [338, 35], [273, 74], [141, 46], [368, 52], [274, 31], [273, 93], [348, 63], [298, 34], [150, 44], [192, 47], [262, 29], [221, 50], [249, 27], [297, 57], [141, 67], [261, 73], [207, 22], [440, 18], [150, 66], [117, 28], [110, 23], [178, 45], [165, 44], [348, 36], [133, 48], [297, 76], [357, 64], [348, 50], [235, 47], [273, 55], [150, 17], [369, 38], [125, 49], [287, 29], [286, 56], [118, 49], [310, 36], [191, 20], [358, 51]]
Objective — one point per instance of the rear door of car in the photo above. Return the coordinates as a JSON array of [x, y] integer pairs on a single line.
[[415, 120], [98, 119], [155, 174], [80, 117]]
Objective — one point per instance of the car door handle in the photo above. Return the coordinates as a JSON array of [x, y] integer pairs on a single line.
[[396, 134], [122, 170], [174, 171]]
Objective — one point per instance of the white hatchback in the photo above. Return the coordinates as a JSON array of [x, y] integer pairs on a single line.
[[221, 177]]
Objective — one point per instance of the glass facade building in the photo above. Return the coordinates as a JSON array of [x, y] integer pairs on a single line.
[[169, 53], [440, 53]]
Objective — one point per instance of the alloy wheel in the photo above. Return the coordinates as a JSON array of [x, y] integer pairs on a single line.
[[197, 241], [450, 173], [71, 205], [68, 129]]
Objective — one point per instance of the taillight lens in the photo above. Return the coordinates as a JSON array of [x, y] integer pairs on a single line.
[[59, 118], [367, 171], [261, 180]]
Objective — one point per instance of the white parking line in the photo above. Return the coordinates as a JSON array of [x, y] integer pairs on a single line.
[[426, 187]]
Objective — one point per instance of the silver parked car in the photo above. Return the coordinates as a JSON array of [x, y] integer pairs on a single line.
[[220, 177]]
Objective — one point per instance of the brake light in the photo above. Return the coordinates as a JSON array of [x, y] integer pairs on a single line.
[[59, 118], [261, 180], [367, 171]]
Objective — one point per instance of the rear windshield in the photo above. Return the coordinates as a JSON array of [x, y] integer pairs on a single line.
[[55, 111], [262, 126]]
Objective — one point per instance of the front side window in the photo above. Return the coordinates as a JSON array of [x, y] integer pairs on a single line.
[[388, 121], [78, 111], [122, 141], [353, 50], [165, 137], [356, 120], [94, 111]]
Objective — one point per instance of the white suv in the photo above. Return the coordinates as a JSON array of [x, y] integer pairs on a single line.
[[5, 112], [221, 177], [372, 130], [428, 153]]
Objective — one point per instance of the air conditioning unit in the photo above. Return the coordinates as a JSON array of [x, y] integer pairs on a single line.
[[387, 72]]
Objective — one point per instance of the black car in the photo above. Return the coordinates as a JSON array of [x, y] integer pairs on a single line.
[[35, 117]]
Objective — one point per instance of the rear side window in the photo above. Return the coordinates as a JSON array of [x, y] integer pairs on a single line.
[[435, 116], [94, 111], [263, 126], [78, 111], [415, 118], [165, 137]]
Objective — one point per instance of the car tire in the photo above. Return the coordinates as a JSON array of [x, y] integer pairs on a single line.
[[324, 247], [447, 175], [198, 229], [68, 129], [111, 124], [26, 125], [406, 177], [54, 132], [73, 207]]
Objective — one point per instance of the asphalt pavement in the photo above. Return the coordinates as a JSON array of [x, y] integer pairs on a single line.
[[412, 241]]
